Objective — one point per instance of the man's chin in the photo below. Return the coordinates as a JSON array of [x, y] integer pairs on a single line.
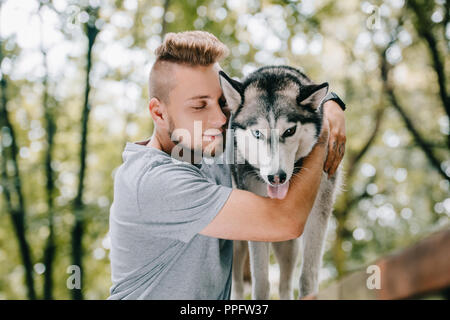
[[196, 154], [213, 149], [213, 154], [208, 152]]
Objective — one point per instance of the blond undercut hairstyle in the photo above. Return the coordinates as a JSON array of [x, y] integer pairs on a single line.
[[192, 48]]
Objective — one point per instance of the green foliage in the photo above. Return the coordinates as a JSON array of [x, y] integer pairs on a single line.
[[399, 196]]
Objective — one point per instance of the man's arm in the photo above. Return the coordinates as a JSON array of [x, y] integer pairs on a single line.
[[246, 216]]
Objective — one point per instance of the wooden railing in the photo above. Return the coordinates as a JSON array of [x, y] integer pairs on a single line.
[[418, 270]]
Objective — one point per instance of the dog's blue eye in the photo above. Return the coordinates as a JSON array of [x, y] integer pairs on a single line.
[[257, 134], [289, 132]]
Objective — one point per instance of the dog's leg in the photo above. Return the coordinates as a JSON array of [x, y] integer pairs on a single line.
[[286, 253], [313, 237], [259, 267], [312, 247], [239, 254]]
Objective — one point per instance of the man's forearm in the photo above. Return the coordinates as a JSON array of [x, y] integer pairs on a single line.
[[304, 187]]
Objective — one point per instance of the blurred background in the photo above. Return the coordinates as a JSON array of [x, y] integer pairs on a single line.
[[73, 88]]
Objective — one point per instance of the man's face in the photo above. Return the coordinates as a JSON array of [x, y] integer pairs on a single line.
[[197, 109]]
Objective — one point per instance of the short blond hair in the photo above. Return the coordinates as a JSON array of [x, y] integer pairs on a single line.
[[193, 48]]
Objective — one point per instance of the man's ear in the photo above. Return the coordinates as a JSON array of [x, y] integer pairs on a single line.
[[157, 112], [232, 91], [313, 94]]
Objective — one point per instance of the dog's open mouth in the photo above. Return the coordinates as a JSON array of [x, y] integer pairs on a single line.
[[278, 191]]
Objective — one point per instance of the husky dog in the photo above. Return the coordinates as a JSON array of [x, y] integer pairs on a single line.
[[276, 119]]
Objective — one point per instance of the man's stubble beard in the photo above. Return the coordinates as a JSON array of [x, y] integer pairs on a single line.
[[195, 152]]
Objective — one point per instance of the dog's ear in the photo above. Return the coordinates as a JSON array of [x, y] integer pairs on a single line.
[[313, 94], [232, 91]]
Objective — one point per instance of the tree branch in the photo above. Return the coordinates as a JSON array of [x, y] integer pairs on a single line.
[[388, 89], [357, 156], [425, 29]]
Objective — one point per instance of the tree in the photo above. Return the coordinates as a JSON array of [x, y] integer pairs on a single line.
[[91, 31], [11, 180]]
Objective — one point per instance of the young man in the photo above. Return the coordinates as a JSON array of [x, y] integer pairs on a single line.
[[171, 223]]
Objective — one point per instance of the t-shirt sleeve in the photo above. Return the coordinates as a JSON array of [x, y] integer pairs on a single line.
[[177, 201]]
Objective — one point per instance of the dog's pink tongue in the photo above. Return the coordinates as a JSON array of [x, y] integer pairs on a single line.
[[279, 191]]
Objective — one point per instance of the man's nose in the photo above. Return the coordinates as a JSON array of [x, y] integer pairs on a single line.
[[278, 178], [218, 119]]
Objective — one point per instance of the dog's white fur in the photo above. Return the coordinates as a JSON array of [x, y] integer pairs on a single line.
[[262, 156], [286, 252]]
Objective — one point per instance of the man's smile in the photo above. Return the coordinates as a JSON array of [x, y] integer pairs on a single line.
[[212, 134]]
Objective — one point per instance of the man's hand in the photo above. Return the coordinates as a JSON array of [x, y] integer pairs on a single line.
[[336, 141], [324, 133]]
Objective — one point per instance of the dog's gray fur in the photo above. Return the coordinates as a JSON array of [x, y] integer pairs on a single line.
[[277, 97]]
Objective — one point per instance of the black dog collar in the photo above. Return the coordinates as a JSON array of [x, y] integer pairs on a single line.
[[333, 96]]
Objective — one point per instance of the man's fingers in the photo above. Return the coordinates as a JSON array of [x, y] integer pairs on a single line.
[[338, 158], [327, 164], [332, 149], [324, 134], [334, 167]]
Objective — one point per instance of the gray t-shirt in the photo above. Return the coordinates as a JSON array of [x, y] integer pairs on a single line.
[[159, 207]]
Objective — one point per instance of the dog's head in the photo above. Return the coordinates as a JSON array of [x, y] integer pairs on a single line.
[[277, 118]]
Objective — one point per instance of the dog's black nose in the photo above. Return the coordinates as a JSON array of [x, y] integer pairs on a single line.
[[278, 178]]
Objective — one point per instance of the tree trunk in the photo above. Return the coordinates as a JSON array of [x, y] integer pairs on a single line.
[[13, 187], [50, 246], [78, 206]]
